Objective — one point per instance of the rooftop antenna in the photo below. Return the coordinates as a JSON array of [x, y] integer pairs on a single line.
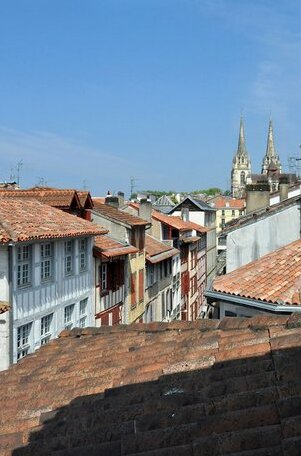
[[294, 163], [18, 169]]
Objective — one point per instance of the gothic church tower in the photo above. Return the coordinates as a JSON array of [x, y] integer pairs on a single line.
[[241, 166], [271, 159]]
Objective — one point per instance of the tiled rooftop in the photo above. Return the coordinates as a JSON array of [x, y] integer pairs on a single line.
[[110, 248], [156, 250], [61, 198], [226, 202], [205, 388], [24, 220], [177, 223], [275, 277], [117, 215]]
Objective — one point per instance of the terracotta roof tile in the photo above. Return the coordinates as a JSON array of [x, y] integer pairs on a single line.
[[24, 220], [111, 248], [118, 215], [53, 197], [177, 223], [180, 388], [275, 277], [226, 202], [157, 251]]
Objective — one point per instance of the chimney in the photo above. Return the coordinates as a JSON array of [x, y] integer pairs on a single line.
[[112, 201], [283, 188], [257, 197], [145, 210], [120, 196], [185, 213]]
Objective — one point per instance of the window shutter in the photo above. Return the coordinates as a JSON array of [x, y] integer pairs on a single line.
[[141, 285]]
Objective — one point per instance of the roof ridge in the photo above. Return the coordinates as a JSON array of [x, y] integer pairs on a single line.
[[226, 324]]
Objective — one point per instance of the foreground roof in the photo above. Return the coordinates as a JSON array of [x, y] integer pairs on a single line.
[[110, 248], [25, 220], [274, 278], [213, 388], [117, 215]]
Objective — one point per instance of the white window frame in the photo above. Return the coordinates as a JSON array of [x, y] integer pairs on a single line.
[[83, 248], [69, 316], [46, 327], [46, 254], [69, 257], [24, 265], [23, 340], [83, 304]]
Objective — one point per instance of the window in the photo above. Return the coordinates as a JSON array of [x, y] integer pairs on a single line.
[[23, 340], [223, 213], [150, 274], [69, 249], [46, 250], [82, 254], [104, 276], [68, 316], [46, 328], [24, 265], [83, 313], [242, 178], [233, 212]]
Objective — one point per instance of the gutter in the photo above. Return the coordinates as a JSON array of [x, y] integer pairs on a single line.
[[246, 302]]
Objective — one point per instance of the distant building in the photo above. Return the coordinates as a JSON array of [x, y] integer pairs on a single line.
[[241, 166], [271, 170]]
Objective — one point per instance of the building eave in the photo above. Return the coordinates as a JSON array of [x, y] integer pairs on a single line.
[[251, 303]]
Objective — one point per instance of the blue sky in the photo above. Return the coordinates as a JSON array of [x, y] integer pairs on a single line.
[[94, 92]]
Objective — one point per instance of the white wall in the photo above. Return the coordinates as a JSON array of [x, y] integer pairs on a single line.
[[39, 299], [252, 241], [239, 311]]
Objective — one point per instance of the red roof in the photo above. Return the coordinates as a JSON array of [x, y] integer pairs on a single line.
[[275, 277], [61, 198], [158, 251], [110, 248], [24, 220], [226, 202], [117, 215], [178, 223], [206, 387]]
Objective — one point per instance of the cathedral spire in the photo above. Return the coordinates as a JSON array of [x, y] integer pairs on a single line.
[[270, 154], [241, 148]]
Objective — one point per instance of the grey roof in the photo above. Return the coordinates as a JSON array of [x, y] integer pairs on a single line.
[[200, 204]]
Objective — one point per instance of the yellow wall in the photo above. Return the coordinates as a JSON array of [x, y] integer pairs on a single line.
[[228, 216]]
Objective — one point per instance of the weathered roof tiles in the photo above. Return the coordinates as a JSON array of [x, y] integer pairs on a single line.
[[182, 388], [24, 220]]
